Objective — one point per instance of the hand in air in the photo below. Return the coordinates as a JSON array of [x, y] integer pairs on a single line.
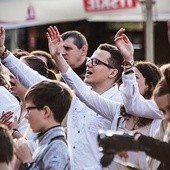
[[55, 42], [124, 45]]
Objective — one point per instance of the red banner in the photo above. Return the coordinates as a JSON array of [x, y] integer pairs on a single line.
[[107, 5]]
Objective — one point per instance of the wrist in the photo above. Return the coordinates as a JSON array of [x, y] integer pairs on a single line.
[[2, 49], [4, 54], [26, 165], [128, 69], [128, 62], [137, 136], [13, 130]]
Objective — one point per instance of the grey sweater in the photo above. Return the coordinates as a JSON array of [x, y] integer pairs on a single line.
[[51, 155]]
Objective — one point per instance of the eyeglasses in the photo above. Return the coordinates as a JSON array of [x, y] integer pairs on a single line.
[[95, 62], [32, 107]]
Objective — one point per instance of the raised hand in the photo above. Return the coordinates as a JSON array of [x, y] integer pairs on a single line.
[[55, 42], [6, 118], [22, 151], [2, 36], [124, 45]]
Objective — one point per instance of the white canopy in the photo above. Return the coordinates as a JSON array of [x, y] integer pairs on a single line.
[[14, 13]]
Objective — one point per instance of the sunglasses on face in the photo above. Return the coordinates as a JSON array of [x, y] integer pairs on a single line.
[[95, 62]]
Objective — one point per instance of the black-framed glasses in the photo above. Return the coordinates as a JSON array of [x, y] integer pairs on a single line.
[[32, 107], [95, 62]]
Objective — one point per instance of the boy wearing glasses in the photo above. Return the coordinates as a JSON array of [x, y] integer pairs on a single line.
[[47, 104]]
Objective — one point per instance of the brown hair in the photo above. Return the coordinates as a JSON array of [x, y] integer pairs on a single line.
[[40, 66], [152, 75], [50, 62], [163, 86], [56, 95], [6, 145]]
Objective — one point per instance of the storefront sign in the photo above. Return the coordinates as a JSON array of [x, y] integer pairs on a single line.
[[107, 5]]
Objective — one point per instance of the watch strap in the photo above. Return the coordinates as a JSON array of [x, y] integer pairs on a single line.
[[26, 166]]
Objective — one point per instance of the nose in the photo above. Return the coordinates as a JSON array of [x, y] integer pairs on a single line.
[[63, 52], [89, 63], [26, 115]]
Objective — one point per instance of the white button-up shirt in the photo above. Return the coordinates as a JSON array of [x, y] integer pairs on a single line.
[[83, 125]]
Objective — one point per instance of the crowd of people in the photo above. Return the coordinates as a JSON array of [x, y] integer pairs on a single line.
[[54, 104]]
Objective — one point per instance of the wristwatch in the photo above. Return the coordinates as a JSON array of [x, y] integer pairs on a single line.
[[13, 130], [128, 63], [26, 166]]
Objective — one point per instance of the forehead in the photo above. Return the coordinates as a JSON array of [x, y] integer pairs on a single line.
[[29, 102], [101, 54], [69, 42], [137, 72], [163, 101]]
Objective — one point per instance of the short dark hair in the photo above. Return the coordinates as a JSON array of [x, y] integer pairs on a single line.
[[79, 38], [54, 94], [115, 60], [6, 145]]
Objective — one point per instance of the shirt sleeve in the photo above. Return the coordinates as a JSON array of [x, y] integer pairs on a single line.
[[26, 75], [134, 102], [105, 107], [8, 102]]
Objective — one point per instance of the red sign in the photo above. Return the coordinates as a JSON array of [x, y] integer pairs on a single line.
[[107, 5]]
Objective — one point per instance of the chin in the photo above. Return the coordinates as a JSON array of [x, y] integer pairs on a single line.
[[87, 81]]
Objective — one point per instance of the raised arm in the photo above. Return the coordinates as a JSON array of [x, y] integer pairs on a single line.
[[104, 107], [134, 102], [22, 72]]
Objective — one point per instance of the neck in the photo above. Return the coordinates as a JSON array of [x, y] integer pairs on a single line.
[[101, 89], [47, 129], [21, 94], [81, 68]]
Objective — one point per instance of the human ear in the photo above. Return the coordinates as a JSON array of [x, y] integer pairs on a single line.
[[47, 112]]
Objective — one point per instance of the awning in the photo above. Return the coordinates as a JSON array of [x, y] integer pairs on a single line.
[[25, 13]]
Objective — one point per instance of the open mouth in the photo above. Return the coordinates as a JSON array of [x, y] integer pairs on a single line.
[[88, 72], [12, 85]]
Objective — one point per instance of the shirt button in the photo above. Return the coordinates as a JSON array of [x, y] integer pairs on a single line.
[[78, 131], [84, 116], [74, 147]]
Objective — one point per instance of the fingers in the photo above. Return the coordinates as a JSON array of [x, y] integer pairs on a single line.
[[126, 39], [118, 38], [15, 119], [119, 33], [2, 30], [48, 37], [6, 116], [53, 34]]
